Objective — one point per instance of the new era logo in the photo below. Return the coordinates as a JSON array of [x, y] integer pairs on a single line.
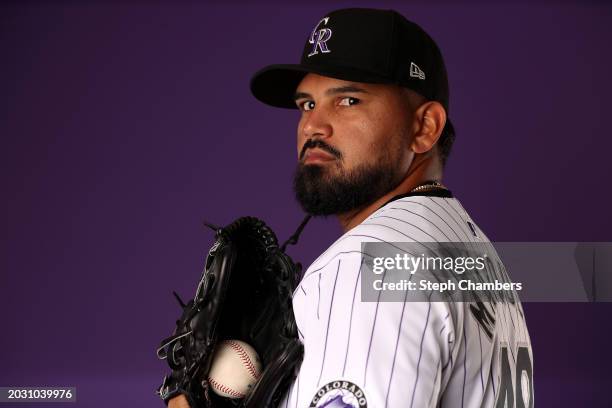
[[416, 72]]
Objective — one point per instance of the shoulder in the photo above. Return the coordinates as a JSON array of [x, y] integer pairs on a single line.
[[419, 219], [409, 219]]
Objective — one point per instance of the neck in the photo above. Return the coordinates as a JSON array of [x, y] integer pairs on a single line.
[[427, 169]]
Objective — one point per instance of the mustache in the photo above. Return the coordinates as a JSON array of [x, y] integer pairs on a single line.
[[311, 144]]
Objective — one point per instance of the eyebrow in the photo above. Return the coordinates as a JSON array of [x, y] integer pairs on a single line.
[[332, 91]]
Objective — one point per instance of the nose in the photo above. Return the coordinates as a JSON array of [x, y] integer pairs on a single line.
[[315, 124]]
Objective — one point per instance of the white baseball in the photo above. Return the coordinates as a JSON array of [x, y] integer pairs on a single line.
[[234, 370]]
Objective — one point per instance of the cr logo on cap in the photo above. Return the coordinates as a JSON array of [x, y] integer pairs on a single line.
[[319, 38]]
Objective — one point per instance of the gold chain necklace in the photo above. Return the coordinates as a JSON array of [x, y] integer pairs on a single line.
[[432, 184]]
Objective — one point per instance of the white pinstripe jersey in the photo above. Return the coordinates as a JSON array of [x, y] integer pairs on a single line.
[[405, 354]]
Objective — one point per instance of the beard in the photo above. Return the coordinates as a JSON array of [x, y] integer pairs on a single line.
[[321, 193]]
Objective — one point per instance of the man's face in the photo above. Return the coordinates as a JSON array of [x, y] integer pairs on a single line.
[[353, 142]]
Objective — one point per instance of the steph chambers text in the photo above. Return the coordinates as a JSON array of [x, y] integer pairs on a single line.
[[450, 285]]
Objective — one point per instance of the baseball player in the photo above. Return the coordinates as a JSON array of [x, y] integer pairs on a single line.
[[372, 141]]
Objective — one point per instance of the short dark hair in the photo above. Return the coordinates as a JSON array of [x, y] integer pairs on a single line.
[[445, 143]]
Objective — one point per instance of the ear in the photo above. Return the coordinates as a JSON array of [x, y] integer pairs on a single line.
[[429, 120]]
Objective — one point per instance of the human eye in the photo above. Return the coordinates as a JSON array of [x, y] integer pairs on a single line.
[[349, 101], [306, 105]]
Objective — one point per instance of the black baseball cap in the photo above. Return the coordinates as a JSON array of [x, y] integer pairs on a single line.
[[361, 45]]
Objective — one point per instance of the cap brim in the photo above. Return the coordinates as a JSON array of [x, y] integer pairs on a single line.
[[275, 85]]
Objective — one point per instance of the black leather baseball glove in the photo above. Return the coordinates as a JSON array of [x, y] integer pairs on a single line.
[[244, 294]]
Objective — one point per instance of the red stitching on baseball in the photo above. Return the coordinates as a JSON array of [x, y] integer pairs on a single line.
[[244, 357], [225, 389]]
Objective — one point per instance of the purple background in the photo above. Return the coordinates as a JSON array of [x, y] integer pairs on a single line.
[[124, 126]]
